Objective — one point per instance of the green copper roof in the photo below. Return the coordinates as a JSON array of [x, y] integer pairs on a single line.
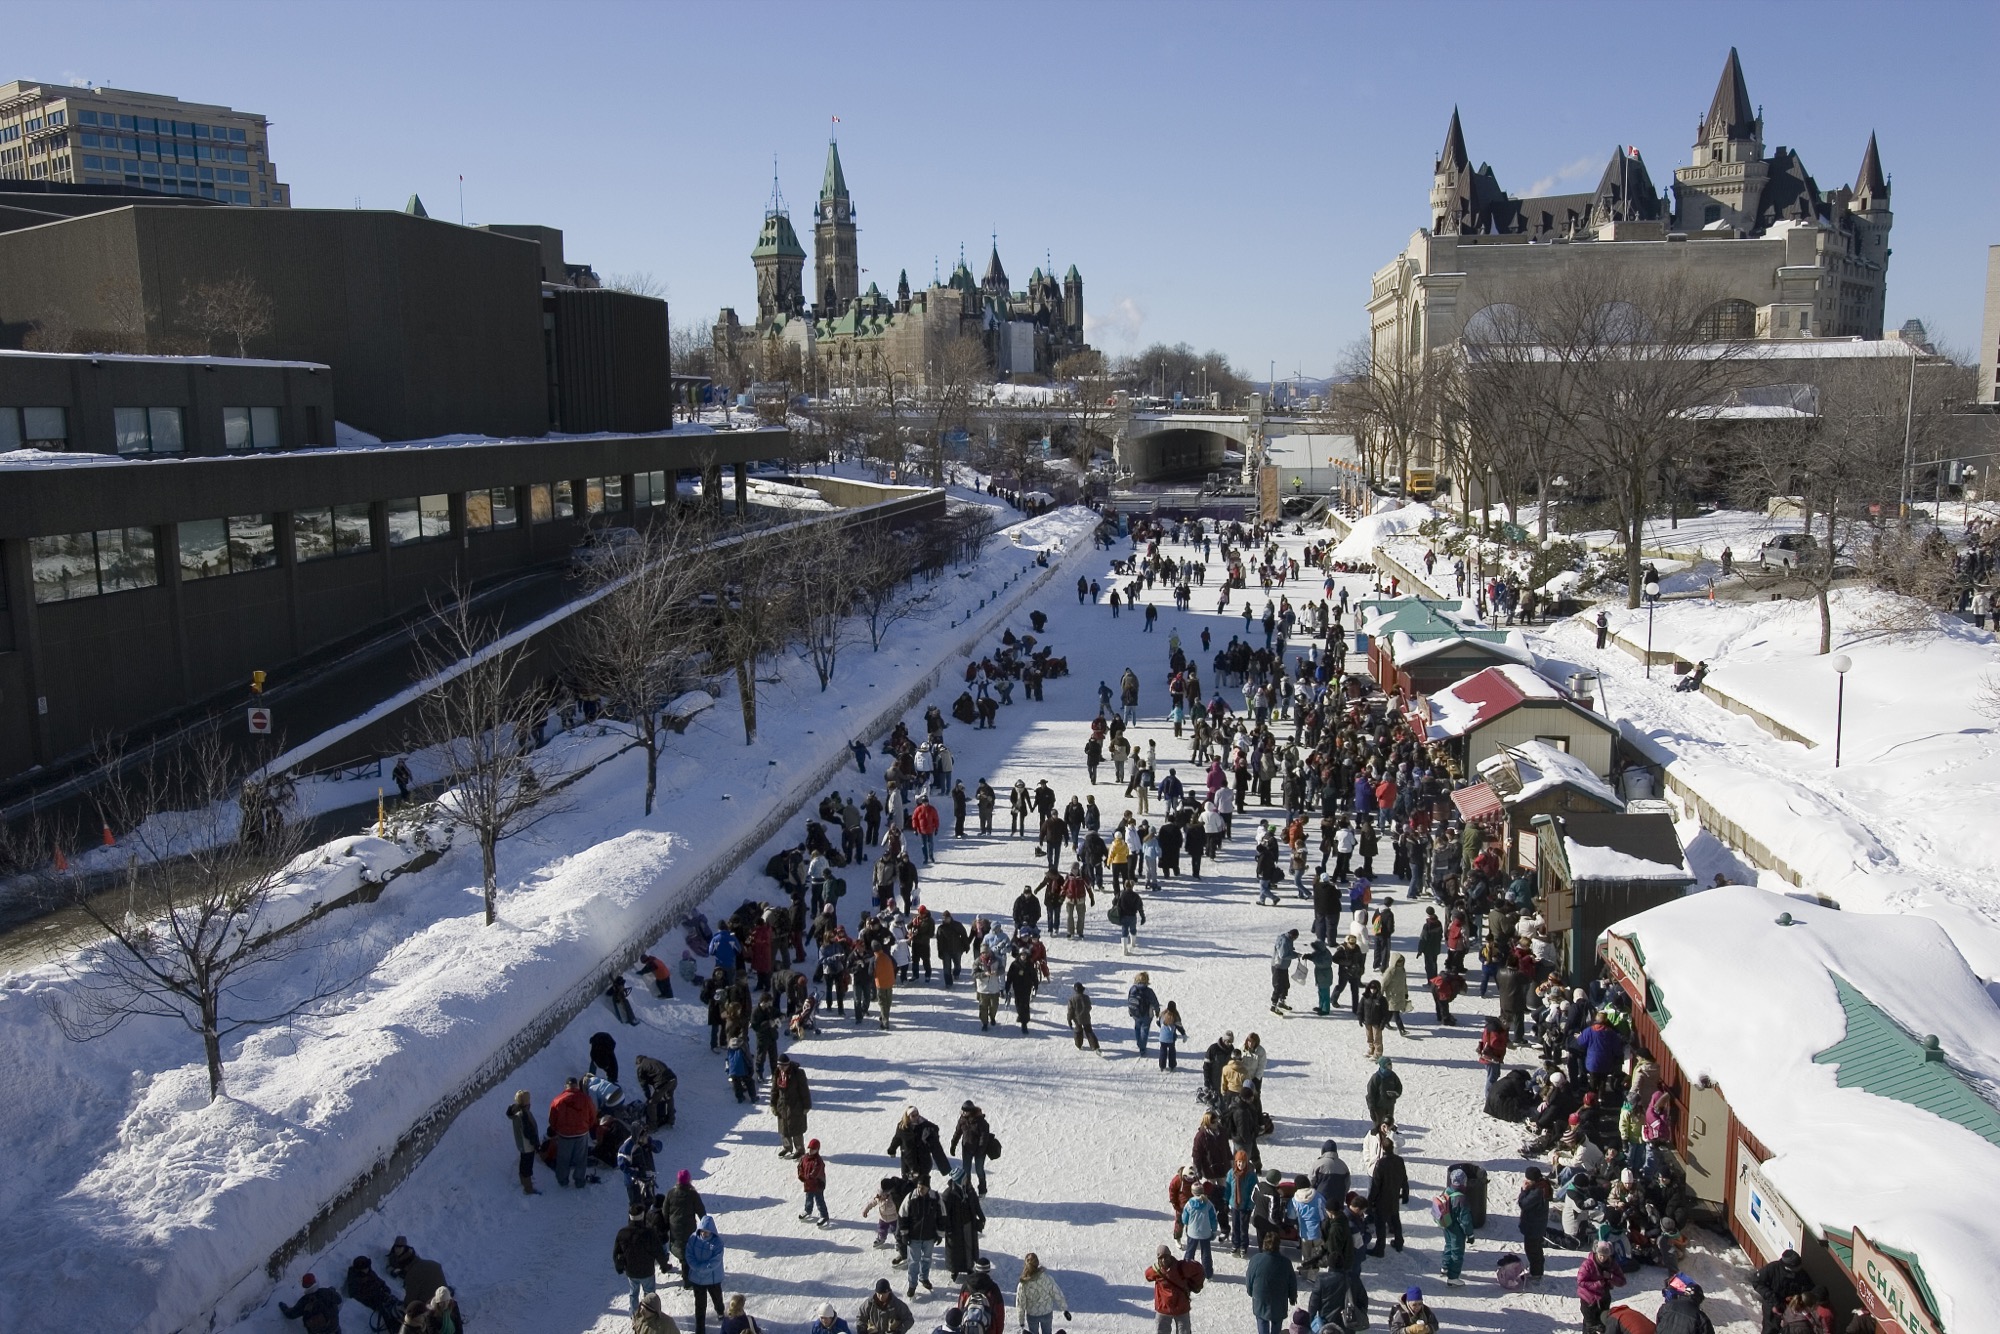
[[835, 185], [415, 208], [1072, 276], [1878, 1057], [778, 238]]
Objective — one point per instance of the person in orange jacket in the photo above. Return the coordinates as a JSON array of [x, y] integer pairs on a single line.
[[885, 982]]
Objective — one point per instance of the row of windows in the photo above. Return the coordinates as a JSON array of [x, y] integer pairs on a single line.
[[165, 150], [159, 125], [145, 430], [92, 162], [114, 560]]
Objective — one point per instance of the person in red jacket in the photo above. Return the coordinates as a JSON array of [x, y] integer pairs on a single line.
[[572, 1122], [760, 955], [1493, 1049], [812, 1176], [1174, 1284], [924, 819], [1446, 988]]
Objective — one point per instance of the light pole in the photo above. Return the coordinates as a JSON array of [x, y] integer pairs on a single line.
[[1652, 591], [1840, 664]]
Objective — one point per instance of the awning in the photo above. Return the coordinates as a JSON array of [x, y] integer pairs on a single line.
[[1478, 802]]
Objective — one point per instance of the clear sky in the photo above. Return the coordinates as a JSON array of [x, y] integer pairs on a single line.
[[1225, 174]]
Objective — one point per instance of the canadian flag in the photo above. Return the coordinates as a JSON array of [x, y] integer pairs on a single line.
[[1632, 151]]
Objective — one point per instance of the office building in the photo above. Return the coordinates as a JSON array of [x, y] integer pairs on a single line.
[[112, 136]]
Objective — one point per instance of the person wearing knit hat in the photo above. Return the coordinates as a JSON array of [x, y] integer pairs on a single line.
[[1412, 1314], [318, 1307], [682, 1209]]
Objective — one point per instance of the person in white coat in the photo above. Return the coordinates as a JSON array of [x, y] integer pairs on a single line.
[[1038, 1297]]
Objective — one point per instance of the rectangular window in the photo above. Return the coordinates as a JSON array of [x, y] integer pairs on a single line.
[[342, 530], [642, 489], [87, 117], [565, 498], [1561, 743], [660, 494], [490, 508], [82, 565], [593, 495], [149, 430], [34, 428], [541, 507], [419, 519], [250, 428]]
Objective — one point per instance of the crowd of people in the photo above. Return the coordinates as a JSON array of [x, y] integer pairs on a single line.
[[1287, 755]]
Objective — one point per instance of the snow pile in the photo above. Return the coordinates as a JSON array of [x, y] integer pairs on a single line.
[[1751, 1003], [1593, 862], [1392, 518], [1542, 768]]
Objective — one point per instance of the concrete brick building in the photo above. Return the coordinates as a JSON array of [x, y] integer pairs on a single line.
[[114, 136]]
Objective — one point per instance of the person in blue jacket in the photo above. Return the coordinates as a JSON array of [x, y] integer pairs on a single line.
[[1603, 1049], [829, 1321], [1200, 1225], [1310, 1217], [704, 1271], [726, 950]]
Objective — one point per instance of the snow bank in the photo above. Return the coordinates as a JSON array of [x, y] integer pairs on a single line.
[[1392, 518], [1751, 1003], [130, 1186]]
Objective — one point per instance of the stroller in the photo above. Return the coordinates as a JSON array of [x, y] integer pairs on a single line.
[[1692, 681], [804, 1020]]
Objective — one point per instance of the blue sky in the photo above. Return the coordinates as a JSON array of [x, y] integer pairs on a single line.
[[1225, 174]]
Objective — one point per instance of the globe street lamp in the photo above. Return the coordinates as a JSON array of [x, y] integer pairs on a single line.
[[1652, 592], [1841, 663]]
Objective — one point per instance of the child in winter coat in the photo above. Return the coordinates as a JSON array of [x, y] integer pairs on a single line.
[[812, 1178], [885, 1207], [1171, 1034]]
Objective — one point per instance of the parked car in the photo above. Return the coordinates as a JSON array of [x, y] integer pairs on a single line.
[[605, 546], [1787, 551]]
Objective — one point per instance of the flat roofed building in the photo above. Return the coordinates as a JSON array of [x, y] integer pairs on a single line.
[[116, 136]]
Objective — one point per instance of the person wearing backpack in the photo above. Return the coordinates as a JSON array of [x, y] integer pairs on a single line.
[[980, 1290], [1453, 1213], [971, 1134], [1174, 1284], [317, 1307]]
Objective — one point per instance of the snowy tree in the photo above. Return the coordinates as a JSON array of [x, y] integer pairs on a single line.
[[883, 562], [479, 718], [636, 646], [196, 934], [233, 309]]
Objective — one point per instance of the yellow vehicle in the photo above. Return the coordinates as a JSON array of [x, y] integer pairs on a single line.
[[1420, 483]]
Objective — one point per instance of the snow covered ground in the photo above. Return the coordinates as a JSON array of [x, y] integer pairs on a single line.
[[1896, 827], [133, 1197], [1090, 1140]]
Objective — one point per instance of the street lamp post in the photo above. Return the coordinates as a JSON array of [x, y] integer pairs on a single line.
[[1841, 663], [1652, 591]]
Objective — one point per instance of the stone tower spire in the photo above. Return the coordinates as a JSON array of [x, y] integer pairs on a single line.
[[1724, 186], [836, 254], [779, 260]]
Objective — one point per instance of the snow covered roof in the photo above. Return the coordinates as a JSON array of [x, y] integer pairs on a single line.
[[1777, 1017], [1484, 696], [1538, 767], [149, 359], [1623, 847], [1412, 614], [1408, 649]]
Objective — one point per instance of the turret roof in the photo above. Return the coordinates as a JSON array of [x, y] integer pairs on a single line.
[[996, 274], [1870, 180], [1730, 112], [1454, 154], [777, 237], [835, 184]]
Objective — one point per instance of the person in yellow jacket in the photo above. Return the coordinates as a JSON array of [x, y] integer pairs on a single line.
[[1119, 857]]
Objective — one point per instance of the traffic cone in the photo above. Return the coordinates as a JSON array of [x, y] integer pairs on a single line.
[[62, 862], [109, 841]]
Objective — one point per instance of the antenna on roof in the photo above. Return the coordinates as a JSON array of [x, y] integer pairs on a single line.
[[777, 199]]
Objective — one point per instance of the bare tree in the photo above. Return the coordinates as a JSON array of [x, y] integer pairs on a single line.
[[1637, 368], [479, 717], [1397, 401], [883, 563], [636, 646], [752, 603], [638, 282], [1507, 404], [127, 317], [957, 368], [52, 332], [823, 583], [234, 309], [203, 935]]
